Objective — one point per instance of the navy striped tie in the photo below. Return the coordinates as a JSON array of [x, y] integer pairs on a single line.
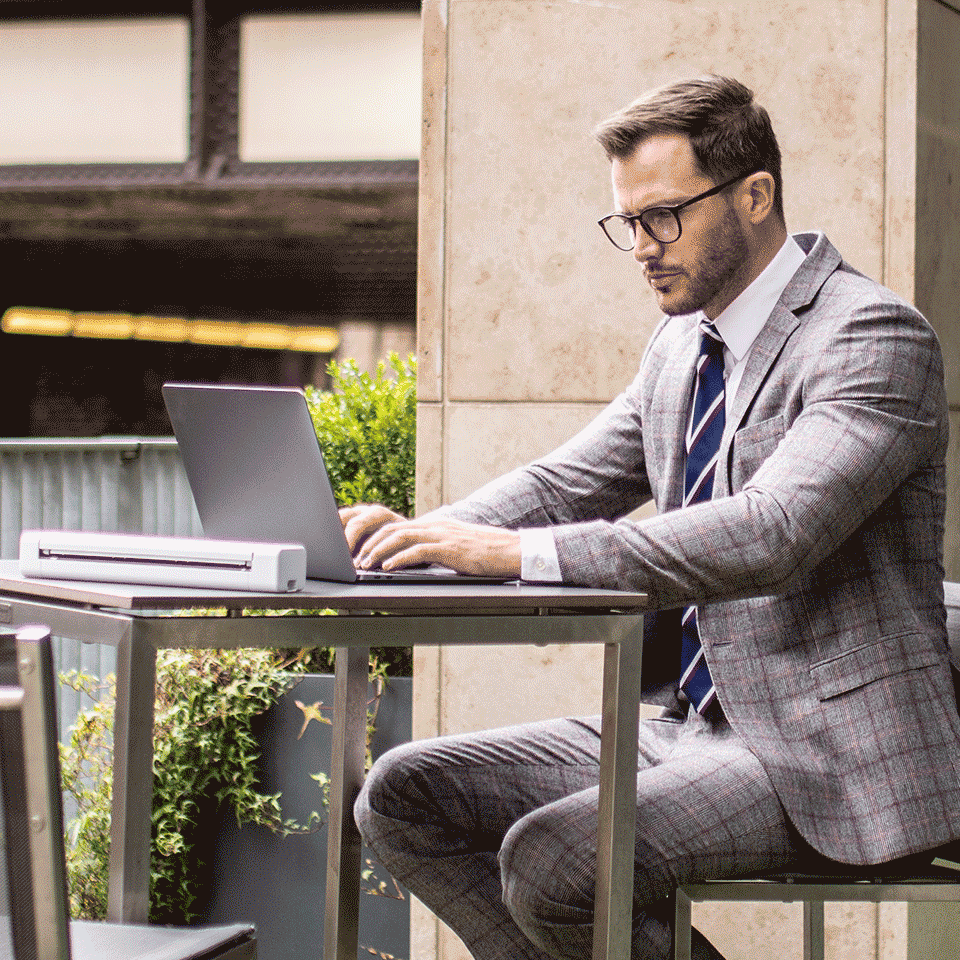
[[704, 431]]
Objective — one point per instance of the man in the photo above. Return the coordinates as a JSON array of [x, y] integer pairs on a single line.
[[789, 421]]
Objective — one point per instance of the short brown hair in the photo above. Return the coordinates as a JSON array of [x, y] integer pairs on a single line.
[[729, 131]]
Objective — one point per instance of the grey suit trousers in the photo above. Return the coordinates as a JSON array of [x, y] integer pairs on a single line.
[[496, 831]]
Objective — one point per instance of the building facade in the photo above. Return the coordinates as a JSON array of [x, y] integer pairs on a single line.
[[222, 190]]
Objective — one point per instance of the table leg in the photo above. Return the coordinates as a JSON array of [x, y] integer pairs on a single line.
[[128, 895], [683, 911], [346, 776], [616, 825]]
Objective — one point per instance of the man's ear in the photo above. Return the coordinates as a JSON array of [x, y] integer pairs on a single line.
[[757, 196]]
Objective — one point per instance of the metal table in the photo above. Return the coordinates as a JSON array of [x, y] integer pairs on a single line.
[[139, 620]]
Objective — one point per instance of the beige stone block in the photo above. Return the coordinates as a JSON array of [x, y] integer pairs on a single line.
[[538, 305], [431, 938], [429, 485], [450, 946], [426, 692], [486, 687], [850, 930], [423, 931], [485, 440], [892, 931], [745, 931], [535, 292], [900, 124], [430, 227], [938, 181], [951, 546]]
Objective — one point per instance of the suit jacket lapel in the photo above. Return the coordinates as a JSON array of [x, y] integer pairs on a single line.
[[780, 324], [679, 377], [822, 259]]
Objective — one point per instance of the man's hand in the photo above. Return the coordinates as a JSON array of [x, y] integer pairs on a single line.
[[380, 538], [363, 519]]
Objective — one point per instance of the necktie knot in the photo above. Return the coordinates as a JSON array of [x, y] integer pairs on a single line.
[[711, 343]]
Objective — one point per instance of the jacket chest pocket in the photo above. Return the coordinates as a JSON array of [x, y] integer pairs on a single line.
[[751, 446], [883, 658]]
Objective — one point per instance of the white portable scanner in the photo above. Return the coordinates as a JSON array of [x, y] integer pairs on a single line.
[[169, 561]]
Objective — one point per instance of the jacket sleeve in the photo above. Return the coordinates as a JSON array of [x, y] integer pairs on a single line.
[[848, 432]]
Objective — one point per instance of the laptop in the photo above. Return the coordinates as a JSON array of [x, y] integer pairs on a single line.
[[255, 468]]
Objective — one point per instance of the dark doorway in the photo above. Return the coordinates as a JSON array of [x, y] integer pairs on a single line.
[[70, 386]]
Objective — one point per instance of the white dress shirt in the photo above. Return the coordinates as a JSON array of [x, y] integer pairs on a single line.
[[739, 326]]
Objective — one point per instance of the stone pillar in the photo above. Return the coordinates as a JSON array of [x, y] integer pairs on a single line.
[[934, 229], [529, 321]]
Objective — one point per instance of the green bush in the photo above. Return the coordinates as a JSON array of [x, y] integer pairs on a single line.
[[205, 762], [367, 429]]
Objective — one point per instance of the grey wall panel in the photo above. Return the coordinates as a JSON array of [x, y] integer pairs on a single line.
[[125, 484], [128, 484]]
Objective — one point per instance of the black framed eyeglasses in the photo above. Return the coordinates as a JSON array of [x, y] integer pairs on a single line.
[[659, 223]]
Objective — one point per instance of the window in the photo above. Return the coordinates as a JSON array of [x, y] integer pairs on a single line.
[[330, 87], [108, 91]]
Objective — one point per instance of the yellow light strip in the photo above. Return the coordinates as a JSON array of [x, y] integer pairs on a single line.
[[43, 323], [38, 321], [103, 326]]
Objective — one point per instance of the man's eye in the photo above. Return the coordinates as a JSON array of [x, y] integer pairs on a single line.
[[658, 217]]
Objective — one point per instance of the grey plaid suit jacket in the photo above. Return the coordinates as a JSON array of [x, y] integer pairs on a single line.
[[817, 565]]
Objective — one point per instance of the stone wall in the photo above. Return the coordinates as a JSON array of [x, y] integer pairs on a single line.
[[529, 321]]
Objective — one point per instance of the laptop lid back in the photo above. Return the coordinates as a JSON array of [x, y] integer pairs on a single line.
[[256, 471]]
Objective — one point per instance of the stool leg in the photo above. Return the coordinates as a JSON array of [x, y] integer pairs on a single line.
[[813, 930], [682, 935]]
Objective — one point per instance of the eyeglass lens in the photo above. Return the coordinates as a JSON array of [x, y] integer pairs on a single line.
[[660, 222]]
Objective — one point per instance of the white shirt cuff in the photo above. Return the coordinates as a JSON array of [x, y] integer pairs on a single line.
[[538, 556]]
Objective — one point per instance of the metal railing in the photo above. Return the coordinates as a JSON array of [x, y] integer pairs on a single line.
[[118, 484]]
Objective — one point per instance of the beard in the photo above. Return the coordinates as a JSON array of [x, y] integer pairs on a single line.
[[714, 277]]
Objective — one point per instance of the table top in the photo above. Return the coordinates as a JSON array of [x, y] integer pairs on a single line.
[[380, 596]]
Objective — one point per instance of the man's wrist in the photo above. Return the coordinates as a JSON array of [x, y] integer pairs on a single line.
[[539, 562]]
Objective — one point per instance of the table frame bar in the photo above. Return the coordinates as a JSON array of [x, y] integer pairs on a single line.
[[139, 635], [348, 759], [617, 818], [128, 890]]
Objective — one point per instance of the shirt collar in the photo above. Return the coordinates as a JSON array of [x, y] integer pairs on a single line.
[[742, 321]]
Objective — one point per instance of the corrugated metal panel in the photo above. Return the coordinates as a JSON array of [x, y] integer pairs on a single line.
[[126, 485], [166, 503]]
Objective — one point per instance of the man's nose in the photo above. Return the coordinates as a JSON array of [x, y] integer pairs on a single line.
[[645, 247]]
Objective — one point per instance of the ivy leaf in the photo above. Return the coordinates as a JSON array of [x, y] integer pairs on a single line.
[[311, 712]]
